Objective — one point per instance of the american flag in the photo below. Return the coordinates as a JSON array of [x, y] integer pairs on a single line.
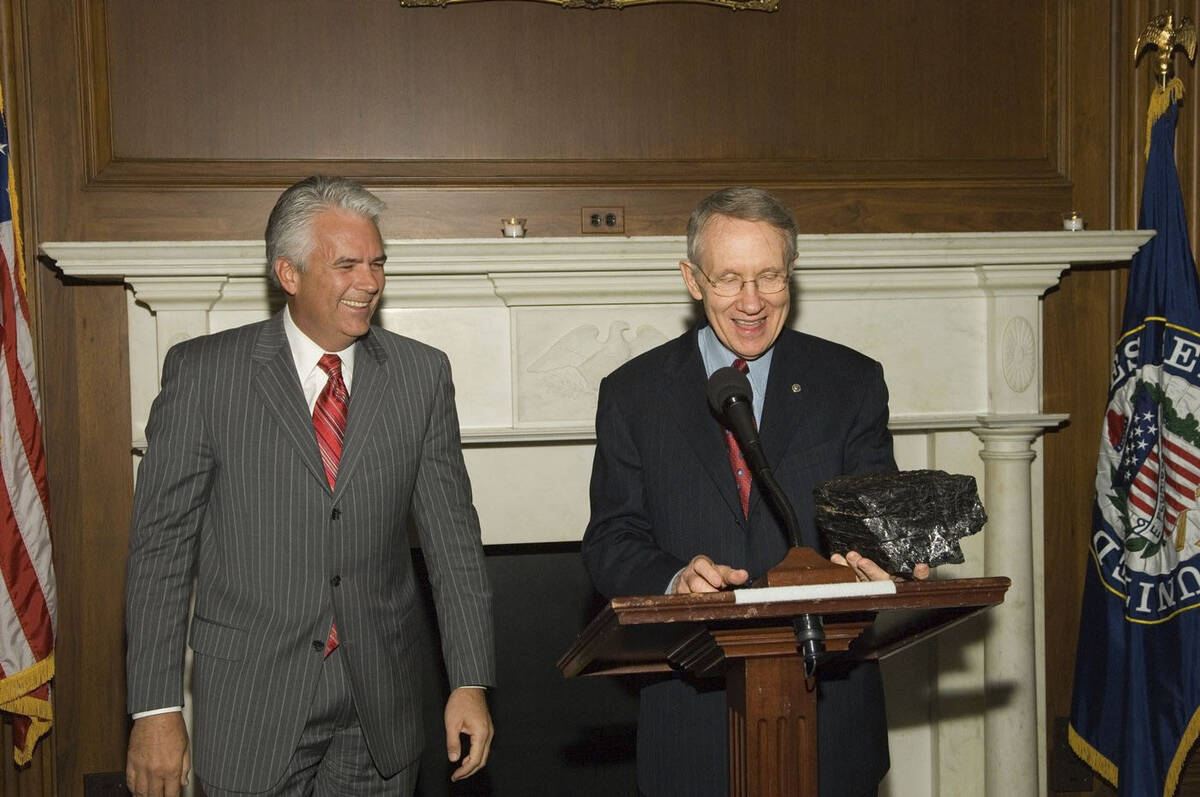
[[1159, 469], [28, 603]]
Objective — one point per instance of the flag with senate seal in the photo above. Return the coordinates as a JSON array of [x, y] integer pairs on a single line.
[[27, 603], [1136, 706]]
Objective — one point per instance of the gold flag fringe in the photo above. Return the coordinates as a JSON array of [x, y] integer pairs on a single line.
[[1160, 100], [15, 699], [1092, 757], [1181, 753]]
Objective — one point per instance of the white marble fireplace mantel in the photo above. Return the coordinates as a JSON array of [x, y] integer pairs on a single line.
[[531, 325]]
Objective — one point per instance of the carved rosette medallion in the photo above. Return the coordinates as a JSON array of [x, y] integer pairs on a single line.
[[1017, 354]]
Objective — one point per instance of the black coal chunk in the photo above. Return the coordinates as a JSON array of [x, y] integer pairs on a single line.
[[900, 519]]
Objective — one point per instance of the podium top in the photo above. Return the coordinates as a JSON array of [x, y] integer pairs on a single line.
[[651, 633]]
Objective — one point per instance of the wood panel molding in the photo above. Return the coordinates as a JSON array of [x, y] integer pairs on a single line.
[[93, 74], [155, 174], [107, 169]]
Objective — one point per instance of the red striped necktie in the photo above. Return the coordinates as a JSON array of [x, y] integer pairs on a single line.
[[329, 416], [329, 422], [737, 462]]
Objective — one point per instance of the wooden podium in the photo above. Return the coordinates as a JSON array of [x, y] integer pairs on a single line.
[[748, 635]]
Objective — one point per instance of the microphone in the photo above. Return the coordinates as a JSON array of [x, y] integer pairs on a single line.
[[730, 396]]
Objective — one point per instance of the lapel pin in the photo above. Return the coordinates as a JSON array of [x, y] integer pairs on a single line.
[[795, 388]]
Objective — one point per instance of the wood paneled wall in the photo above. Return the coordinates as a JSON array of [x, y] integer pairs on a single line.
[[190, 116], [177, 119]]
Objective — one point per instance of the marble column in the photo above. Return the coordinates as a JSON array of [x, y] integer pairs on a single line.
[[1011, 723]]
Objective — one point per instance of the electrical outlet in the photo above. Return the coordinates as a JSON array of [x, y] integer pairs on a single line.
[[609, 219]]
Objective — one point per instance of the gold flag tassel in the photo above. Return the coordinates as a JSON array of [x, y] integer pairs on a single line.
[[1164, 35], [1160, 100]]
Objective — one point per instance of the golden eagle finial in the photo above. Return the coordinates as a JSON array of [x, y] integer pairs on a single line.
[[1164, 34]]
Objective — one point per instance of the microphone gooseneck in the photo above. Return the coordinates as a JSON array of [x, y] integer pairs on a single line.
[[729, 395]]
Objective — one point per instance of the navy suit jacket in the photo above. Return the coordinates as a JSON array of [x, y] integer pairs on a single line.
[[662, 492]]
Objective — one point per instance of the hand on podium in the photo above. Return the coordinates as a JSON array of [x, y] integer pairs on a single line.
[[866, 570], [702, 574]]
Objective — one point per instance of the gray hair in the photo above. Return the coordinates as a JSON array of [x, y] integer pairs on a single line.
[[288, 235], [748, 204]]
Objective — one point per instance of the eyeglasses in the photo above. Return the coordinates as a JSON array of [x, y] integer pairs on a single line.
[[730, 285]]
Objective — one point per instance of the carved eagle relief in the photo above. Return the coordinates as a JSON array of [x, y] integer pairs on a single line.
[[583, 352]]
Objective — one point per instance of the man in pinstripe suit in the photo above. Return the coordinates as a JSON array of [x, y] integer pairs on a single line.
[[667, 511], [305, 625]]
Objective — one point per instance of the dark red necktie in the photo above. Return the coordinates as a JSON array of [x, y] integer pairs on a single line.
[[737, 462], [329, 422]]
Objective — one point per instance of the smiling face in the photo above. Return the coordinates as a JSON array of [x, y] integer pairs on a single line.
[[333, 298], [749, 322]]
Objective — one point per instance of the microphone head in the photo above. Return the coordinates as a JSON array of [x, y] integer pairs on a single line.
[[726, 385]]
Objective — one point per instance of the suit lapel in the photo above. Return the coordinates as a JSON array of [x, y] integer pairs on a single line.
[[368, 388], [684, 384], [783, 405], [276, 382]]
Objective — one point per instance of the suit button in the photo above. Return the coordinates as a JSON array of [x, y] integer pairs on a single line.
[[335, 514], [335, 581], [318, 644]]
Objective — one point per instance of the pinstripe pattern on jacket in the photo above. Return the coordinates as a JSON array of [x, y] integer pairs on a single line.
[[662, 492], [232, 493]]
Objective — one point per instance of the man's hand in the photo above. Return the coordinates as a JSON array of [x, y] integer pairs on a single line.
[[703, 575], [866, 570], [467, 712], [158, 761]]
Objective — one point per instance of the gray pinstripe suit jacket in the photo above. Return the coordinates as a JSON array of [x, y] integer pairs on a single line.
[[232, 492], [662, 492]]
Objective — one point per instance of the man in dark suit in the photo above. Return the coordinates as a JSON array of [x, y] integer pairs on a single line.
[[286, 461], [668, 514]]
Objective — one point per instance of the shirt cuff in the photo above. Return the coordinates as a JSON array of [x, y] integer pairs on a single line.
[[138, 715], [674, 581]]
